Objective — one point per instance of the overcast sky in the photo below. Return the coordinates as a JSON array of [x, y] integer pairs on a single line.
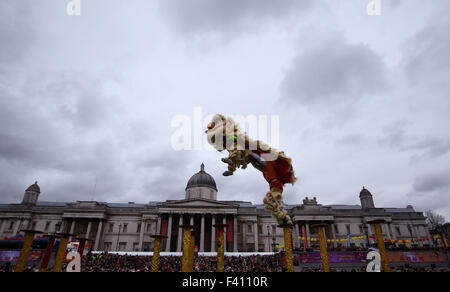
[[86, 102]]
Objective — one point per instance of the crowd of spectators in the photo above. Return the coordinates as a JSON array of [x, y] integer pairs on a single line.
[[129, 263], [106, 262]]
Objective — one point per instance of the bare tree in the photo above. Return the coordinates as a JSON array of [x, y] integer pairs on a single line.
[[434, 220]]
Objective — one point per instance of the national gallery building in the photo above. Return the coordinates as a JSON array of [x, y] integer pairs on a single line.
[[250, 228]]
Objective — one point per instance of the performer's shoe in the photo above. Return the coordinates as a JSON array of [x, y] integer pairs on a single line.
[[227, 161], [227, 173]]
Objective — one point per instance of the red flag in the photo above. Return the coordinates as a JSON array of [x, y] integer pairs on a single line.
[[164, 227], [230, 231]]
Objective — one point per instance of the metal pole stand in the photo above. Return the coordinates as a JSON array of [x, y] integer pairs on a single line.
[[323, 246], [288, 246], [29, 236], [381, 246], [186, 258], [220, 247], [156, 252]]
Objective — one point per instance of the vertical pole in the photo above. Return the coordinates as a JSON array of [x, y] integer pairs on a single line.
[[185, 261], [47, 254], [61, 253], [288, 246], [220, 247], [323, 248], [82, 244], [29, 236], [381, 246], [156, 252], [191, 251]]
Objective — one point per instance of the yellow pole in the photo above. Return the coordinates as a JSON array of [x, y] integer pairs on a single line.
[[29, 236], [381, 246], [288, 246], [156, 252], [191, 251], [323, 250], [60, 254], [186, 258], [220, 247]]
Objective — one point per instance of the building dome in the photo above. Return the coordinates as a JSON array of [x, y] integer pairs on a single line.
[[202, 179]]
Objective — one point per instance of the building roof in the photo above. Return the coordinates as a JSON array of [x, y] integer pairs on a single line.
[[202, 179]]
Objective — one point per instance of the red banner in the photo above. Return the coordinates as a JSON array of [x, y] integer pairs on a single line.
[[164, 227], [230, 231]]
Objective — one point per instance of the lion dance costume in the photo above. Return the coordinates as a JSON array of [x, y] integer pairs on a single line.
[[224, 134]]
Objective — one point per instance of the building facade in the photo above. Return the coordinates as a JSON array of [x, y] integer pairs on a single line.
[[128, 227]]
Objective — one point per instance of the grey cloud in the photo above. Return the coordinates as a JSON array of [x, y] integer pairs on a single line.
[[432, 181], [333, 72], [354, 140], [398, 137], [228, 17], [425, 55], [17, 34]]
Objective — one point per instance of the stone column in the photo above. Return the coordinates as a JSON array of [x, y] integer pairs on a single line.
[[416, 229], [180, 233], [213, 234], [297, 234], [97, 237], [25, 224], [88, 229], [235, 248], [141, 234], [169, 233], [225, 230], [255, 228], [308, 235], [244, 236], [158, 224], [63, 226], [16, 228], [2, 228], [72, 227], [202, 234], [333, 231], [191, 222], [370, 240]]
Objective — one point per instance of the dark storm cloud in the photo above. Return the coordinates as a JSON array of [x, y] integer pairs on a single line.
[[333, 72], [432, 182], [228, 17]]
